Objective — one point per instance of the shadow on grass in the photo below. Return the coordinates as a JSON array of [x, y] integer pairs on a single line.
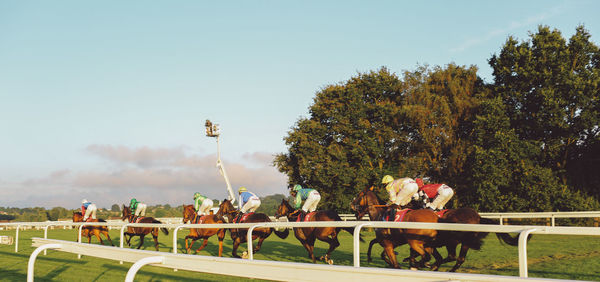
[[41, 257]]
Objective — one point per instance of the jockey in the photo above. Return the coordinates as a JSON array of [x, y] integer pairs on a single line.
[[310, 196], [435, 196], [137, 208], [202, 204], [87, 209], [400, 190], [248, 201]]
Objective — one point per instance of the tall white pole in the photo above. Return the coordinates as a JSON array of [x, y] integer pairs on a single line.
[[224, 173]]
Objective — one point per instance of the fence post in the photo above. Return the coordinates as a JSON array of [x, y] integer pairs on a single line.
[[17, 239], [122, 238], [523, 252], [33, 256], [138, 264], [249, 241], [356, 236]]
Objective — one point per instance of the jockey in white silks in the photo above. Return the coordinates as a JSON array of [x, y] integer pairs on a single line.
[[88, 209], [400, 190]]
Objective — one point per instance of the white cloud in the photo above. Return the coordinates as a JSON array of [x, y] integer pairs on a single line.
[[152, 175]]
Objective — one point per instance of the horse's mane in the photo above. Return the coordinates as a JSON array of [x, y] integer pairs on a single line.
[[78, 212], [379, 201]]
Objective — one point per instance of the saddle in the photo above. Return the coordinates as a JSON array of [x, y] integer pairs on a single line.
[[305, 216], [199, 219], [242, 217], [137, 219], [398, 216], [441, 213]]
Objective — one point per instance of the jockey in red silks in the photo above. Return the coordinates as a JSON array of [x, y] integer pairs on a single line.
[[435, 196]]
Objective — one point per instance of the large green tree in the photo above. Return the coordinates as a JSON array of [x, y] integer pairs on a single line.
[[376, 124], [551, 89]]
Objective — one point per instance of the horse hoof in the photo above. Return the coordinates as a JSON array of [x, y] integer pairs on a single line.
[[414, 268], [245, 255]]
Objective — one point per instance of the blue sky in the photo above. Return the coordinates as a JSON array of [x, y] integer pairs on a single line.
[[107, 100]]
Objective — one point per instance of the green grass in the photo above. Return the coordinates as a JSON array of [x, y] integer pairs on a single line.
[[550, 256]]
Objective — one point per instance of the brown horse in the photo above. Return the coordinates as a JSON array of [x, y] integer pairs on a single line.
[[190, 214], [141, 231], [92, 230], [308, 235], [467, 240], [239, 236], [418, 239]]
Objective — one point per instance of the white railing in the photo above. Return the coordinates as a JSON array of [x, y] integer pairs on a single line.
[[358, 225], [513, 215], [272, 270]]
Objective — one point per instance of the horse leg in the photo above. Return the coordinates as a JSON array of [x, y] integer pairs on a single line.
[[258, 245], [373, 242], [418, 247], [388, 250], [221, 235], [141, 240], [203, 245], [451, 248], [236, 244], [438, 260], [333, 243], [107, 237], [461, 257], [97, 233], [188, 248], [155, 237]]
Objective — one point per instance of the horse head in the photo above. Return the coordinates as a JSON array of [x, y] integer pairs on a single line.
[[284, 209], [225, 208], [126, 213], [77, 217], [188, 213]]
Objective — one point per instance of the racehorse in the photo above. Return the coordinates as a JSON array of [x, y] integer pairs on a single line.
[[92, 230], [238, 236], [418, 239], [308, 235], [141, 231], [467, 240], [190, 214]]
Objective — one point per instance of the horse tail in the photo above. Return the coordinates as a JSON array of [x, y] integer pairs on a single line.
[[282, 234], [474, 240], [503, 237], [163, 229]]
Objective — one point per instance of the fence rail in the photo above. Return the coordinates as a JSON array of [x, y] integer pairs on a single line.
[[273, 270], [523, 230]]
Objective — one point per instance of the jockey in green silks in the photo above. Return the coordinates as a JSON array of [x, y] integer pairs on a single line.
[[202, 204], [310, 196], [137, 208]]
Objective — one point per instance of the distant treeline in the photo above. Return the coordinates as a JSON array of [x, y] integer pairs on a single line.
[[269, 206]]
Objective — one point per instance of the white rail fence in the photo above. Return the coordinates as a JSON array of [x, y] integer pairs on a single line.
[[503, 216], [523, 230], [273, 270]]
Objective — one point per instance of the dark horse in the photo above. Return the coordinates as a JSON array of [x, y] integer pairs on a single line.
[[141, 231], [467, 240], [190, 214], [308, 235], [92, 230], [238, 236], [418, 239]]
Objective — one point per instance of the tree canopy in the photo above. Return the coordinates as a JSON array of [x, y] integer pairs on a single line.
[[527, 141]]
